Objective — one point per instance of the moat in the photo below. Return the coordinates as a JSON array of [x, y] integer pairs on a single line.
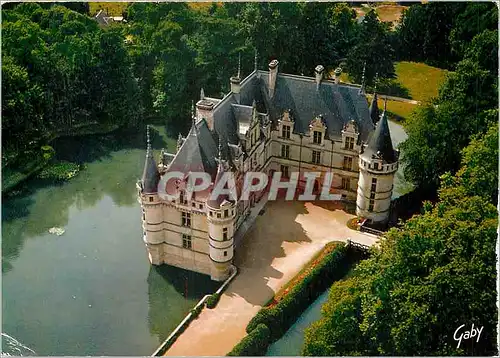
[[91, 291]]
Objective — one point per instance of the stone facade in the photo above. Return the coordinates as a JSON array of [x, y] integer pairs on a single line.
[[268, 122]]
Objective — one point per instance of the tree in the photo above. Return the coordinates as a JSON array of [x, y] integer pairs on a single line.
[[478, 174], [424, 30], [372, 53], [475, 18], [431, 276], [438, 132]]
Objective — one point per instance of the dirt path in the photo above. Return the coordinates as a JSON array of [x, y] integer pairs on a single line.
[[274, 250]]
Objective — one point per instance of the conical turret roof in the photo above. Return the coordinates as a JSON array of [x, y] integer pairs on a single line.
[[150, 175], [374, 112], [380, 143]]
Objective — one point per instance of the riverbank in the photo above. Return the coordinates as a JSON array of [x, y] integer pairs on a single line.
[[93, 292], [286, 237], [19, 167]]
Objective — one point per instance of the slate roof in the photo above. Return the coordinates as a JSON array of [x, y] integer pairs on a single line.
[[150, 175], [337, 103], [380, 143], [198, 152], [374, 112]]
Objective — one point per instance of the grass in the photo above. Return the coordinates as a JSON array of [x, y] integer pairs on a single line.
[[112, 8], [421, 80], [397, 111], [390, 13]]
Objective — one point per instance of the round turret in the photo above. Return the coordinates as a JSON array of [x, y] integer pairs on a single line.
[[378, 163], [221, 214]]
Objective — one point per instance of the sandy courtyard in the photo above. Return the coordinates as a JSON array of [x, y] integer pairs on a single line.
[[273, 251]]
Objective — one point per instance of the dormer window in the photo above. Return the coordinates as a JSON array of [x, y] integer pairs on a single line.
[[349, 143], [375, 166], [285, 131], [317, 137]]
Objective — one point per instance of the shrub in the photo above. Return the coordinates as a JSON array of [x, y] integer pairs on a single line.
[[254, 344], [213, 300], [196, 311], [283, 315]]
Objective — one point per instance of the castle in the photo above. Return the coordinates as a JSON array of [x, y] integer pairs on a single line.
[[268, 122]]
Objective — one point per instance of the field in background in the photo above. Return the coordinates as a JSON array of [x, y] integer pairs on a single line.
[[112, 8], [421, 80], [397, 111]]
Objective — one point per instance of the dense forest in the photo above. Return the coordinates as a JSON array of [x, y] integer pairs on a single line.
[[436, 271], [63, 74]]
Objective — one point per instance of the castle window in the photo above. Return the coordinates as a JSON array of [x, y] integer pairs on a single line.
[[186, 219], [186, 242], [370, 206], [375, 166], [347, 163], [226, 213], [345, 183], [349, 143], [150, 199], [316, 157], [225, 253], [284, 171], [218, 216], [285, 132], [224, 234], [374, 184], [211, 213], [182, 199], [193, 204], [201, 206], [285, 151], [317, 137]]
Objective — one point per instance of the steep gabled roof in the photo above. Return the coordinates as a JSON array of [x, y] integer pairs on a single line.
[[198, 152], [338, 104]]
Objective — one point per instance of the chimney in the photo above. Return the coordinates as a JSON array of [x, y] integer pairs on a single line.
[[204, 109], [273, 74], [338, 72], [318, 71], [235, 84]]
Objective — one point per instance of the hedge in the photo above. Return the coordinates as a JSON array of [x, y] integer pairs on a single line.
[[196, 311], [283, 315], [254, 344], [213, 300]]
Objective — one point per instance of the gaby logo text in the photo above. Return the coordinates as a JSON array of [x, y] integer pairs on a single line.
[[461, 334]]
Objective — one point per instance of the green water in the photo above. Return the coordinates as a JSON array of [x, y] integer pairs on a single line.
[[291, 342], [90, 291]]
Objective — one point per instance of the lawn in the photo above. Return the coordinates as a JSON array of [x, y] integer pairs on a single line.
[[112, 8], [421, 80], [397, 111]]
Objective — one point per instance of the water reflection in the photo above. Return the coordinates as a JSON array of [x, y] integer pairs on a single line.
[[172, 293], [113, 164]]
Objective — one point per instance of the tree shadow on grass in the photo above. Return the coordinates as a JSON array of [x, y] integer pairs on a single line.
[[392, 87]]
